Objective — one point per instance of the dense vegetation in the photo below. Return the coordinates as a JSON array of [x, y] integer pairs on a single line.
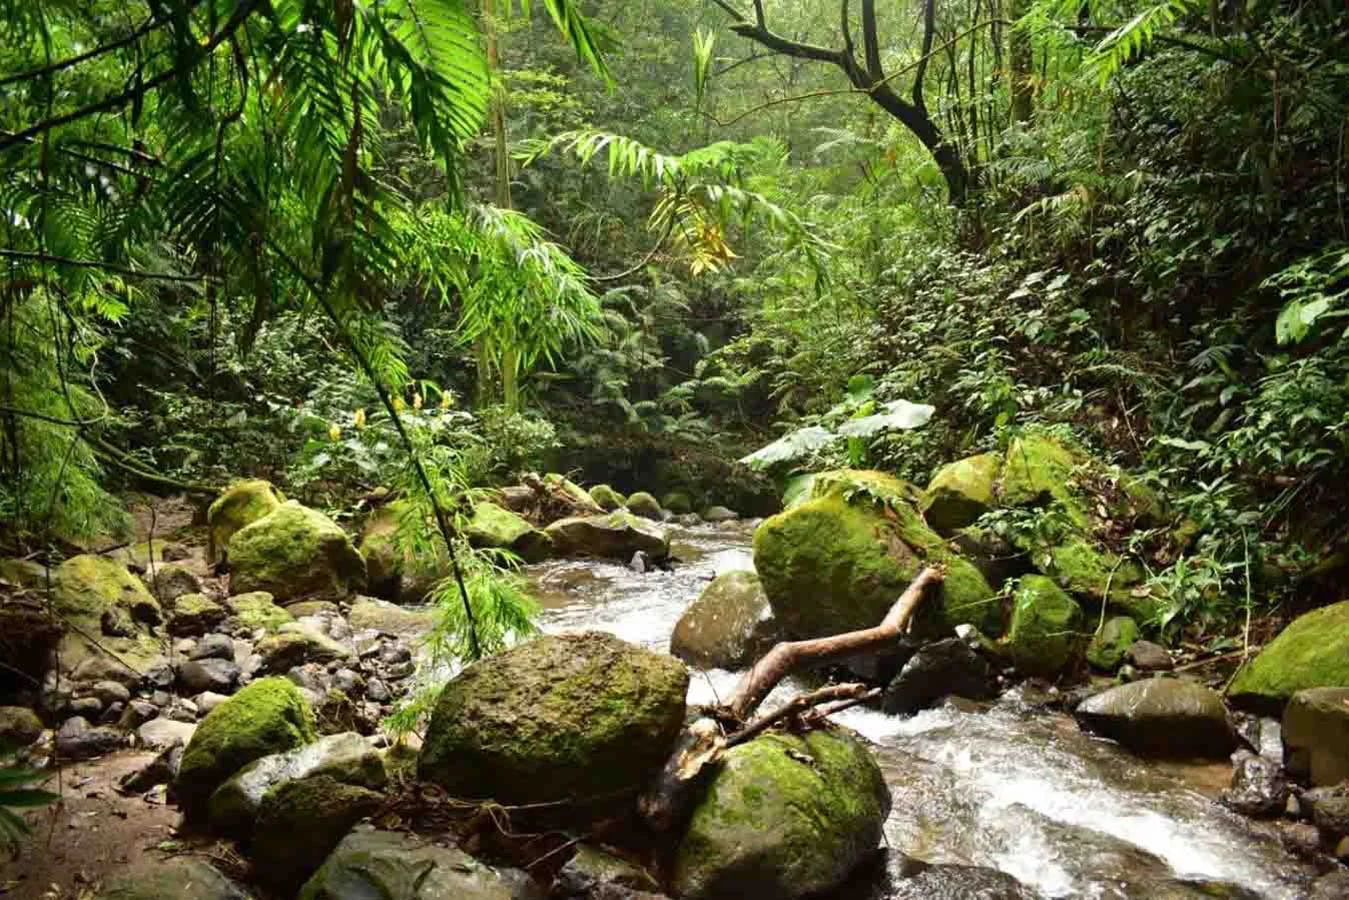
[[430, 245]]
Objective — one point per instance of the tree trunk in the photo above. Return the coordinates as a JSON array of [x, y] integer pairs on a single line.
[[1022, 60]]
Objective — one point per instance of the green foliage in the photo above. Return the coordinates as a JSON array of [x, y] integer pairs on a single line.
[[17, 794]]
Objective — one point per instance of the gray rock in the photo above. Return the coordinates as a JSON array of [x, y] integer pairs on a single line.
[[160, 770], [161, 674], [112, 715], [593, 872], [1161, 717], [157, 734], [639, 563], [214, 646], [938, 670], [170, 580], [19, 727], [77, 739], [1316, 733], [1258, 787], [207, 701], [100, 668], [729, 626], [1331, 815], [294, 645], [137, 713], [369, 864], [177, 877], [348, 682], [617, 535], [720, 514], [89, 707], [217, 675], [1148, 657], [378, 691], [301, 822], [110, 692]]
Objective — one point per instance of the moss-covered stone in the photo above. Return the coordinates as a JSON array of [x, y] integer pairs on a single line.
[[268, 716], [390, 575], [729, 626], [961, 492], [385, 617], [584, 716], [617, 535], [390, 866], [677, 502], [1087, 570], [1312, 652], [607, 498], [644, 505], [294, 552], [191, 615], [294, 645], [492, 526], [175, 878], [257, 610], [102, 599], [243, 503], [1046, 632], [1038, 471], [1109, 643], [785, 816], [300, 822], [19, 727]]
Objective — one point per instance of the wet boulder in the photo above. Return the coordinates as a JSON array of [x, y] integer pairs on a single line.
[[838, 561], [644, 505], [300, 822], [1316, 734], [391, 866], [102, 599], [192, 615], [1111, 641], [1258, 787], [1166, 717], [616, 535], [294, 552], [171, 879], [495, 527], [266, 717], [1046, 634], [583, 716], [961, 492], [784, 816], [242, 504], [1312, 652], [729, 626], [941, 669], [606, 498]]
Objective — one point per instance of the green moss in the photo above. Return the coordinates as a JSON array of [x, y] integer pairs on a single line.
[[1047, 627], [677, 502], [961, 492], [571, 488], [243, 503], [644, 505], [91, 589], [299, 824], [294, 552], [492, 526], [268, 716], [860, 484], [1082, 568], [258, 610], [607, 498], [1110, 642], [1039, 470], [1313, 651], [195, 614]]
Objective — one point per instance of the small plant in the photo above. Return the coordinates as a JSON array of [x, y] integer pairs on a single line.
[[17, 793]]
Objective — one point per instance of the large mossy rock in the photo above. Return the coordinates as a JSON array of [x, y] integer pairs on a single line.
[[388, 866], [294, 552], [257, 611], [1110, 643], [1316, 734], [1038, 471], [644, 505], [243, 503], [785, 816], [607, 498], [839, 561], [1161, 717], [584, 716], [266, 717], [492, 526], [961, 492], [729, 626], [175, 878], [301, 822], [1047, 630], [390, 575], [1312, 652], [677, 502], [103, 600], [617, 535]]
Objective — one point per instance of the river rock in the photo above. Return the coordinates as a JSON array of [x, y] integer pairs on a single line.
[[19, 727], [837, 562], [1046, 634], [294, 552], [192, 615], [606, 498], [77, 739], [719, 514], [616, 535], [677, 503], [109, 692], [1312, 652], [214, 646], [347, 758], [580, 716], [1332, 886], [492, 526], [391, 575], [256, 611], [300, 822], [1109, 644], [171, 580], [941, 669], [198, 675], [294, 645], [242, 504], [644, 505], [160, 770], [592, 874], [387, 618], [956, 882], [268, 716], [1316, 734], [171, 879], [1145, 656], [370, 864], [162, 732], [1258, 787], [1161, 717], [785, 816], [961, 492], [101, 598], [729, 626]]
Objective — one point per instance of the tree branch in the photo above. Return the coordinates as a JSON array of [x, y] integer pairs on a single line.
[[780, 44], [26, 256], [145, 28], [871, 44], [929, 30]]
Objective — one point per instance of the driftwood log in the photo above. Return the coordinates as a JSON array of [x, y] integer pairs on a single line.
[[705, 740]]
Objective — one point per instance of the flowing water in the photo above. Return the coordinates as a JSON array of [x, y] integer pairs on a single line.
[[1006, 788]]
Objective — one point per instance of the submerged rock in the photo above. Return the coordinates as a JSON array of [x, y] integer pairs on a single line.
[[300, 822], [583, 716], [942, 669], [1312, 652], [1316, 733], [294, 552], [785, 816], [170, 879], [243, 503], [616, 535], [729, 626], [1047, 628], [644, 505], [961, 492], [1161, 717]]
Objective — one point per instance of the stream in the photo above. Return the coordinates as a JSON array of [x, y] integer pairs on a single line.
[[1007, 788]]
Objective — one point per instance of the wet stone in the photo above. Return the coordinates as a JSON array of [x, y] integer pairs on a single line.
[[214, 646], [1148, 657], [1258, 787], [77, 739], [217, 675]]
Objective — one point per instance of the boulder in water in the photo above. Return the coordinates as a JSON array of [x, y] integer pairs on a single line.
[[644, 505], [719, 514], [677, 503], [1046, 634], [584, 716], [243, 503], [493, 526], [300, 822], [961, 492], [945, 668], [784, 816], [294, 552], [1258, 787], [1312, 652], [616, 535], [1161, 717], [1316, 734], [729, 626]]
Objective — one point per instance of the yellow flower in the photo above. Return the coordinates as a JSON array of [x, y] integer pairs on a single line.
[[334, 432], [360, 420], [398, 404], [446, 399], [416, 400]]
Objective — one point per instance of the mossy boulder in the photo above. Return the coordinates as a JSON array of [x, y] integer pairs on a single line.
[[243, 503], [257, 611], [102, 599], [1082, 567], [387, 618], [294, 645], [391, 575], [493, 526], [390, 866], [1312, 652], [1111, 641], [833, 564], [1046, 633], [19, 727], [961, 492], [677, 502], [300, 822], [616, 535], [644, 505], [579, 495], [785, 816], [607, 498], [295, 552], [1161, 717], [268, 716], [192, 615], [175, 878], [729, 626], [583, 716]]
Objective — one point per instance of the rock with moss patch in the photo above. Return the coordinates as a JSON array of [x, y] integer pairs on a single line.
[[19, 727], [583, 716], [268, 716], [405, 577], [579, 495], [300, 822], [644, 505], [103, 600], [192, 615], [839, 561], [1312, 652], [678, 503], [175, 878], [593, 873], [785, 816], [1083, 568], [616, 535], [492, 526], [387, 618], [347, 758], [1046, 633], [294, 645], [1111, 641], [961, 492], [1161, 717], [243, 503], [390, 866], [729, 626], [171, 580], [294, 552], [1316, 734], [607, 498], [257, 611]]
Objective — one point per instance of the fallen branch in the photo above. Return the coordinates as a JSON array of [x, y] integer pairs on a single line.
[[798, 705]]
